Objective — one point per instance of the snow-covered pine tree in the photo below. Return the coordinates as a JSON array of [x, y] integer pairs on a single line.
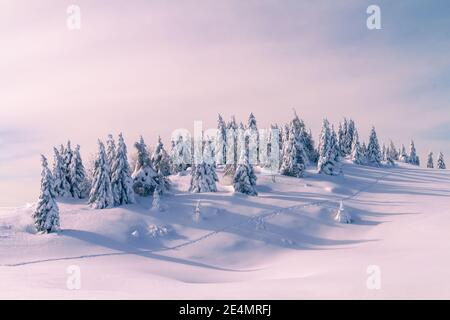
[[269, 140], [328, 151], [413, 158], [221, 142], [203, 174], [394, 152], [244, 180], [440, 162], [373, 149], [388, 157], [383, 152], [253, 137], [309, 154], [342, 142], [403, 156], [430, 162], [357, 153], [232, 146], [46, 214], [101, 196], [110, 150], [67, 156], [78, 180], [203, 178], [243, 140], [181, 153], [324, 146], [61, 185], [121, 181], [145, 177], [349, 136], [335, 156], [160, 159], [264, 146], [293, 162], [273, 149], [310, 148]]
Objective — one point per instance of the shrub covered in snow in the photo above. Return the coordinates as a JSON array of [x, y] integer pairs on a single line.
[[342, 216], [157, 231]]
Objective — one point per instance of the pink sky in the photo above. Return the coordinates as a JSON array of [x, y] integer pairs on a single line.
[[153, 66]]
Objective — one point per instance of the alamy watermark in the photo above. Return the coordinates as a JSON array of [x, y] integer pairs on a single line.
[[226, 147], [73, 21], [373, 281], [73, 281], [373, 21]]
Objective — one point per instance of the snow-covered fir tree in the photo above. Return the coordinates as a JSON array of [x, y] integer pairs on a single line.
[[440, 162], [221, 142], [305, 138], [393, 151], [101, 196], [403, 156], [67, 155], [243, 140], [161, 159], [293, 162], [373, 149], [244, 180], [308, 143], [335, 155], [78, 180], [203, 178], [364, 151], [341, 137], [232, 146], [430, 162], [181, 153], [357, 153], [273, 149], [383, 152], [389, 160], [203, 174], [264, 146], [253, 139], [413, 158], [61, 185], [349, 136], [324, 146], [328, 151], [46, 214], [121, 181], [145, 177], [110, 150]]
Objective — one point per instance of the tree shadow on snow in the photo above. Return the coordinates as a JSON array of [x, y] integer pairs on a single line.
[[124, 249]]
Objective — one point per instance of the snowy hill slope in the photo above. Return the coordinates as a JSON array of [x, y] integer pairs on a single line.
[[282, 244]]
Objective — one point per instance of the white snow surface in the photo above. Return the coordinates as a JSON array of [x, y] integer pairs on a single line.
[[282, 244]]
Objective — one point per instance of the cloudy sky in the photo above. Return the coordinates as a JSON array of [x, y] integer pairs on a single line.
[[149, 67]]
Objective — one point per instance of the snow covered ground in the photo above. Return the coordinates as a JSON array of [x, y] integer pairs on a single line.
[[284, 243]]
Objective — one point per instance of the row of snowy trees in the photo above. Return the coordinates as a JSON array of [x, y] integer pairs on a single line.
[[440, 162], [286, 149], [69, 176]]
